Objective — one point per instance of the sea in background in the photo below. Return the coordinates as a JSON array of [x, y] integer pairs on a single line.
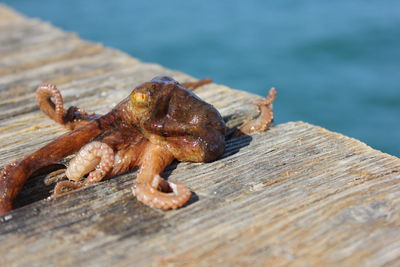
[[335, 64]]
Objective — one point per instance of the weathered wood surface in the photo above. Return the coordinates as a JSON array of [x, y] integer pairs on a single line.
[[296, 195]]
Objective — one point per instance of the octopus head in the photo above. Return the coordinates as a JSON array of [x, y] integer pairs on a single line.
[[151, 97]]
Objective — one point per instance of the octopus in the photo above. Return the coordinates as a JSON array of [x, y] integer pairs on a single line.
[[159, 122]]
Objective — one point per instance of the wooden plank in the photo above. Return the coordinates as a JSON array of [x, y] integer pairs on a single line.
[[297, 194]]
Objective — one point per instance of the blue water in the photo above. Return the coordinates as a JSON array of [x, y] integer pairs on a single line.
[[335, 63]]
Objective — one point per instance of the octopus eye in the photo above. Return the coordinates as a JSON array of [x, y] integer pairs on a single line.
[[140, 99]]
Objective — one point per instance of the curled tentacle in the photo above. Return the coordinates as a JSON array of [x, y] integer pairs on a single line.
[[264, 119], [96, 158], [151, 193], [71, 118], [54, 110], [150, 188]]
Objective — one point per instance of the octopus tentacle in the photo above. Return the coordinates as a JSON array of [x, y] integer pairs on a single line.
[[70, 185], [264, 119], [14, 176], [128, 158], [6, 187], [95, 158], [151, 195], [151, 189], [194, 85], [54, 110], [72, 118]]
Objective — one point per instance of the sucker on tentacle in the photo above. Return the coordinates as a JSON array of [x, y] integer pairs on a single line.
[[263, 120], [54, 110], [95, 158]]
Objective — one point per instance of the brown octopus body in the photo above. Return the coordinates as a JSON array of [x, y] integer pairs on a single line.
[[160, 121]]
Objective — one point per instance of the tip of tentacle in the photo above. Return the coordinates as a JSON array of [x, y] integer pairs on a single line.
[[154, 198], [5, 203], [6, 191]]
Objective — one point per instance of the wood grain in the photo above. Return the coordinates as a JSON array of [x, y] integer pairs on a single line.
[[296, 195]]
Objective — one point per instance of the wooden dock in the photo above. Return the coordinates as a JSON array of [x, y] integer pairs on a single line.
[[297, 195]]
